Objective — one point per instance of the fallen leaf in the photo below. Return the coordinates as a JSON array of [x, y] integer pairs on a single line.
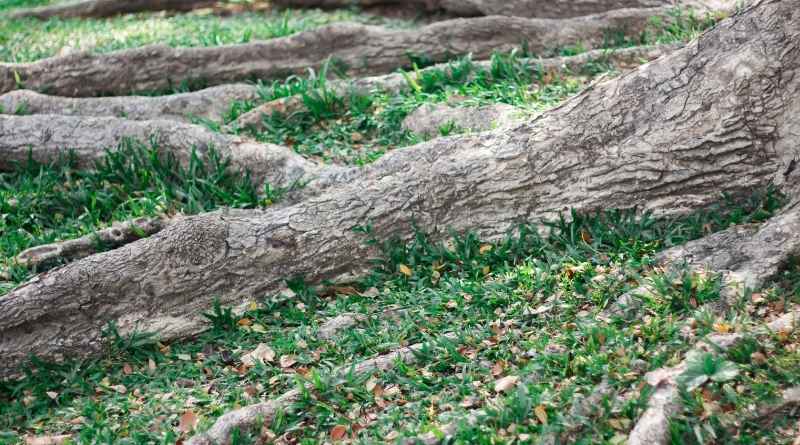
[[338, 432], [452, 304], [151, 364], [184, 357], [506, 383], [261, 354], [188, 421], [52, 394], [371, 292], [486, 248], [47, 440], [287, 361], [758, 358], [245, 322], [405, 270], [127, 369], [497, 368], [258, 328], [722, 327], [541, 414], [586, 236]]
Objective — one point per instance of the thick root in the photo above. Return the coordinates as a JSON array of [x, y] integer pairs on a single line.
[[358, 49], [516, 8], [211, 103], [107, 8], [45, 138]]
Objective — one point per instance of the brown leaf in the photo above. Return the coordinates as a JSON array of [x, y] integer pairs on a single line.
[[405, 270], [287, 361], [245, 322], [188, 422], [338, 432], [506, 383], [151, 364], [127, 369], [541, 414], [47, 440], [586, 236], [261, 354], [497, 368]]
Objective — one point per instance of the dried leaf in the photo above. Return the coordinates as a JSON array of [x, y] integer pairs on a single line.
[[486, 248], [287, 361], [261, 354], [151, 364], [52, 394], [127, 369], [371, 292], [47, 440], [188, 422], [258, 328], [245, 322], [338, 432], [541, 414], [506, 383], [405, 270]]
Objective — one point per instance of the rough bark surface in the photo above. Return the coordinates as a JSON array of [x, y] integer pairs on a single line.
[[107, 8], [364, 50], [45, 138], [428, 121], [211, 103], [516, 8], [718, 116]]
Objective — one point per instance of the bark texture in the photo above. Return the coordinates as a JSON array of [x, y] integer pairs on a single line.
[[516, 8], [45, 138], [718, 116], [428, 121], [211, 103], [363, 50], [107, 8]]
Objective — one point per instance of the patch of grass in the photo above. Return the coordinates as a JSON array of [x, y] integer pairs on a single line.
[[523, 307], [25, 40], [40, 204], [13, 4]]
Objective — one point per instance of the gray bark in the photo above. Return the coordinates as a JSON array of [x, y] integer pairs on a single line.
[[45, 138], [364, 50], [718, 116], [210, 103], [516, 8], [107, 8]]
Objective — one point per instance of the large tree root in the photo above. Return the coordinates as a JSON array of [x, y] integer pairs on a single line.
[[396, 82], [360, 49], [718, 116], [652, 428], [250, 417], [516, 8], [107, 8], [45, 138], [211, 103]]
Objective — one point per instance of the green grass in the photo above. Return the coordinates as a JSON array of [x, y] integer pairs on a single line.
[[40, 204], [27, 40], [525, 307]]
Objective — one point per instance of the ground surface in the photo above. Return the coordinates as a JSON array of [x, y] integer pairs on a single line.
[[511, 332]]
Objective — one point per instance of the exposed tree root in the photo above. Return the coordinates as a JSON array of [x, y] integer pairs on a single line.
[[396, 82], [428, 121], [211, 103], [361, 50], [668, 137], [45, 138], [653, 426], [107, 8], [117, 235], [254, 416], [515, 8]]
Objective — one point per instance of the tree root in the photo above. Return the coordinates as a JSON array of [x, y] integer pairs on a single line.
[[669, 137], [45, 138], [396, 82], [664, 403], [253, 416], [211, 103], [117, 235], [358, 49], [514, 8], [107, 8]]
